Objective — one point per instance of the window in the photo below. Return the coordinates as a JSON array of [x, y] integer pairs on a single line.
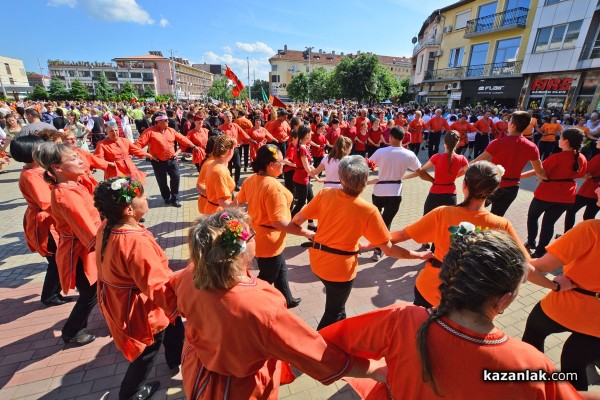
[[7, 68], [11, 81], [274, 67], [274, 78], [461, 19], [84, 73], [136, 75], [506, 50], [123, 75], [550, 2], [420, 63], [456, 57], [557, 37], [477, 60]]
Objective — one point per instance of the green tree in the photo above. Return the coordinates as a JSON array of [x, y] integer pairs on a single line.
[[321, 85], [104, 91], [128, 92], [364, 79], [404, 92], [257, 87], [221, 90], [78, 91], [38, 93], [149, 92], [57, 89], [297, 89]]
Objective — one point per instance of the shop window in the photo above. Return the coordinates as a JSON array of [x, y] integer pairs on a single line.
[[7, 68], [557, 37], [456, 57]]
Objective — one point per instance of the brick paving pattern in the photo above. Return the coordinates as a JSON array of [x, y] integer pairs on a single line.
[[35, 365]]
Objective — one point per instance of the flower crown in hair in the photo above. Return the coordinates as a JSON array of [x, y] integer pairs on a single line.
[[235, 235], [464, 228], [127, 188]]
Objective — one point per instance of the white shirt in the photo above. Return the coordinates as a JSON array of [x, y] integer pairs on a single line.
[[331, 172], [392, 163], [426, 119]]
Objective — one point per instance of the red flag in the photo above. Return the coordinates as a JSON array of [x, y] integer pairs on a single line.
[[276, 101], [229, 73], [235, 91], [239, 86]]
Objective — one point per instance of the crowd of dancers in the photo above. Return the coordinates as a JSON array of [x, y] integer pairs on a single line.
[[239, 338]]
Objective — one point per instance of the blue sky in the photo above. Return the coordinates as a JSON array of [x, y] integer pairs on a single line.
[[99, 30]]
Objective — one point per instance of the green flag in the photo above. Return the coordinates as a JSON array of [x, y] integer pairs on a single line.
[[264, 95]]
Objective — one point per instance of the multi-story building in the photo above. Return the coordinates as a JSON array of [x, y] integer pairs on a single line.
[[562, 64], [39, 80], [13, 79], [472, 52], [217, 70], [150, 71], [286, 63]]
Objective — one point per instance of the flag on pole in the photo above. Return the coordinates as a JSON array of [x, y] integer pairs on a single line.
[[239, 86], [276, 101], [248, 105], [264, 95]]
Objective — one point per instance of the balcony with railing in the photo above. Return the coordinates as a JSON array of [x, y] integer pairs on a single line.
[[496, 70], [509, 19], [426, 42]]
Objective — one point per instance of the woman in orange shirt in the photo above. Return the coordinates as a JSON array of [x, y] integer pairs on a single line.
[[76, 221], [269, 209], [40, 234], [198, 136], [219, 183], [201, 181], [118, 150], [550, 132], [481, 180], [136, 298], [239, 335], [344, 218], [259, 136], [576, 311], [447, 352]]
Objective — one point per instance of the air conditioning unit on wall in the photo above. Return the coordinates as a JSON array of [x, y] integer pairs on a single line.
[[439, 53], [447, 29]]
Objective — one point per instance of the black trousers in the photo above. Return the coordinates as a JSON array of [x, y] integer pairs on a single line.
[[434, 143], [282, 147], [235, 165], [371, 150], [546, 149], [579, 349], [246, 154], [501, 199], [388, 206], [78, 318], [591, 209], [274, 271], [51, 289], [288, 177], [336, 296], [552, 212], [481, 142], [137, 372], [414, 147], [304, 194], [161, 170], [435, 200], [420, 300], [317, 161]]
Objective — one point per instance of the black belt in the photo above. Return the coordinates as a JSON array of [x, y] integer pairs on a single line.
[[201, 195], [268, 226], [320, 246], [559, 180], [389, 182], [511, 179], [214, 204], [587, 292], [435, 262], [332, 182], [445, 184]]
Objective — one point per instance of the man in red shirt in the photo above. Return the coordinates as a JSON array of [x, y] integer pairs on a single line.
[[512, 152], [160, 140], [280, 129], [485, 127], [437, 126], [235, 132]]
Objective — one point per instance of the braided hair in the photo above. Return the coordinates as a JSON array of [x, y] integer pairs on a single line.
[[575, 138], [482, 179], [478, 267], [111, 204]]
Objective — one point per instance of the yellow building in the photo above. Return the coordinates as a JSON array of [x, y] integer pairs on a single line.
[[286, 63], [471, 52], [13, 79]]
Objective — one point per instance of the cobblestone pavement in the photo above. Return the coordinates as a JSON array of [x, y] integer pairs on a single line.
[[34, 365]]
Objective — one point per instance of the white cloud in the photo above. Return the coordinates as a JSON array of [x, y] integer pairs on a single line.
[[163, 22], [227, 49], [258, 66], [258, 47], [112, 10], [58, 3]]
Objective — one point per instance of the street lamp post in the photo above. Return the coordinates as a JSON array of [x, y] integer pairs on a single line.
[[309, 49]]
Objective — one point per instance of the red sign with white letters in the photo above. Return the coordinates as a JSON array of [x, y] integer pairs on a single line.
[[551, 86]]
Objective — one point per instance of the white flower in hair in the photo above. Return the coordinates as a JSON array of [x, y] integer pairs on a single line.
[[467, 227], [500, 170], [116, 185]]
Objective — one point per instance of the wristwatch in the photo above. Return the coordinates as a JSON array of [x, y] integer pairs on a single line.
[[556, 286]]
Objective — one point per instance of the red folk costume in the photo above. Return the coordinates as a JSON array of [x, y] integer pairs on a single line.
[[458, 358], [90, 161], [199, 137], [134, 293], [501, 129], [416, 127], [463, 128], [161, 144], [77, 222], [38, 224], [560, 186], [222, 361], [280, 130], [261, 136], [235, 132], [119, 151]]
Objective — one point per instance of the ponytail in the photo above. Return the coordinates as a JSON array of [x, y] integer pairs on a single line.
[[451, 139], [575, 138], [576, 161]]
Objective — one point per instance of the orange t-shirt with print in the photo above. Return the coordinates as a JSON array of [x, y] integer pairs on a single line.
[[433, 227], [578, 250], [268, 200], [549, 131], [343, 220], [219, 185], [202, 181]]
